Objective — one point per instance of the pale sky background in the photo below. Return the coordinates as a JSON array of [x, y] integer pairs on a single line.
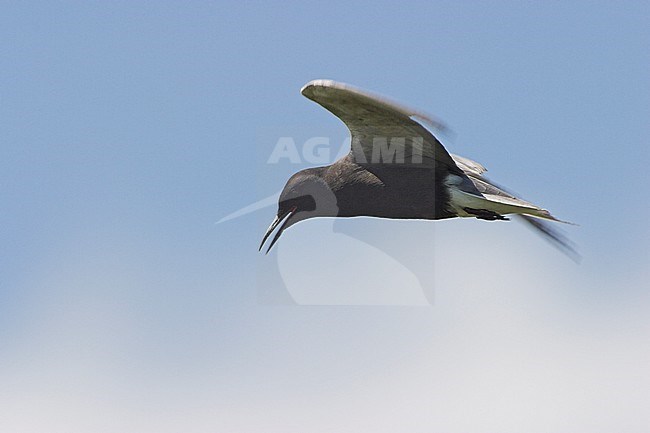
[[127, 129]]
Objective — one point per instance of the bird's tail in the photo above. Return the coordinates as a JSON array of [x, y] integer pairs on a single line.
[[534, 216], [513, 205]]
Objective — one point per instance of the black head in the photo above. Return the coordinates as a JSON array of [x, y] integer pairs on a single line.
[[306, 195]]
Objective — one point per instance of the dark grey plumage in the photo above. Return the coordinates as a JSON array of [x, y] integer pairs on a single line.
[[396, 168]]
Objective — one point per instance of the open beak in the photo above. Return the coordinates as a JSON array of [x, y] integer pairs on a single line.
[[278, 219]]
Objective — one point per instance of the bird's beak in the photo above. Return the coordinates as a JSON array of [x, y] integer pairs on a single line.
[[278, 219]]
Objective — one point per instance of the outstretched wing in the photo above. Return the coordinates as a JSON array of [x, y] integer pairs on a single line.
[[383, 132]]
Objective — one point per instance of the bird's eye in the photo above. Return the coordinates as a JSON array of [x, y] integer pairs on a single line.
[[305, 203]]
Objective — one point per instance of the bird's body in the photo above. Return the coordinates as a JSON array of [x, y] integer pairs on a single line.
[[395, 192], [396, 169]]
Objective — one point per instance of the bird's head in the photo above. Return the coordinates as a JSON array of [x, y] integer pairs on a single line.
[[306, 195]]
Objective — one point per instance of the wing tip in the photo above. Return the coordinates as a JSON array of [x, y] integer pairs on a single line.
[[555, 237], [308, 89]]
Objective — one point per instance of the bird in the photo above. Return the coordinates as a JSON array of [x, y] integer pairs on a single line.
[[397, 169]]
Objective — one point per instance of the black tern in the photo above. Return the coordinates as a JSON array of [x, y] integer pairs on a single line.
[[396, 169]]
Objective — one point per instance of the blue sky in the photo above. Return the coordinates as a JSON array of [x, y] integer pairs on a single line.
[[129, 128]]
